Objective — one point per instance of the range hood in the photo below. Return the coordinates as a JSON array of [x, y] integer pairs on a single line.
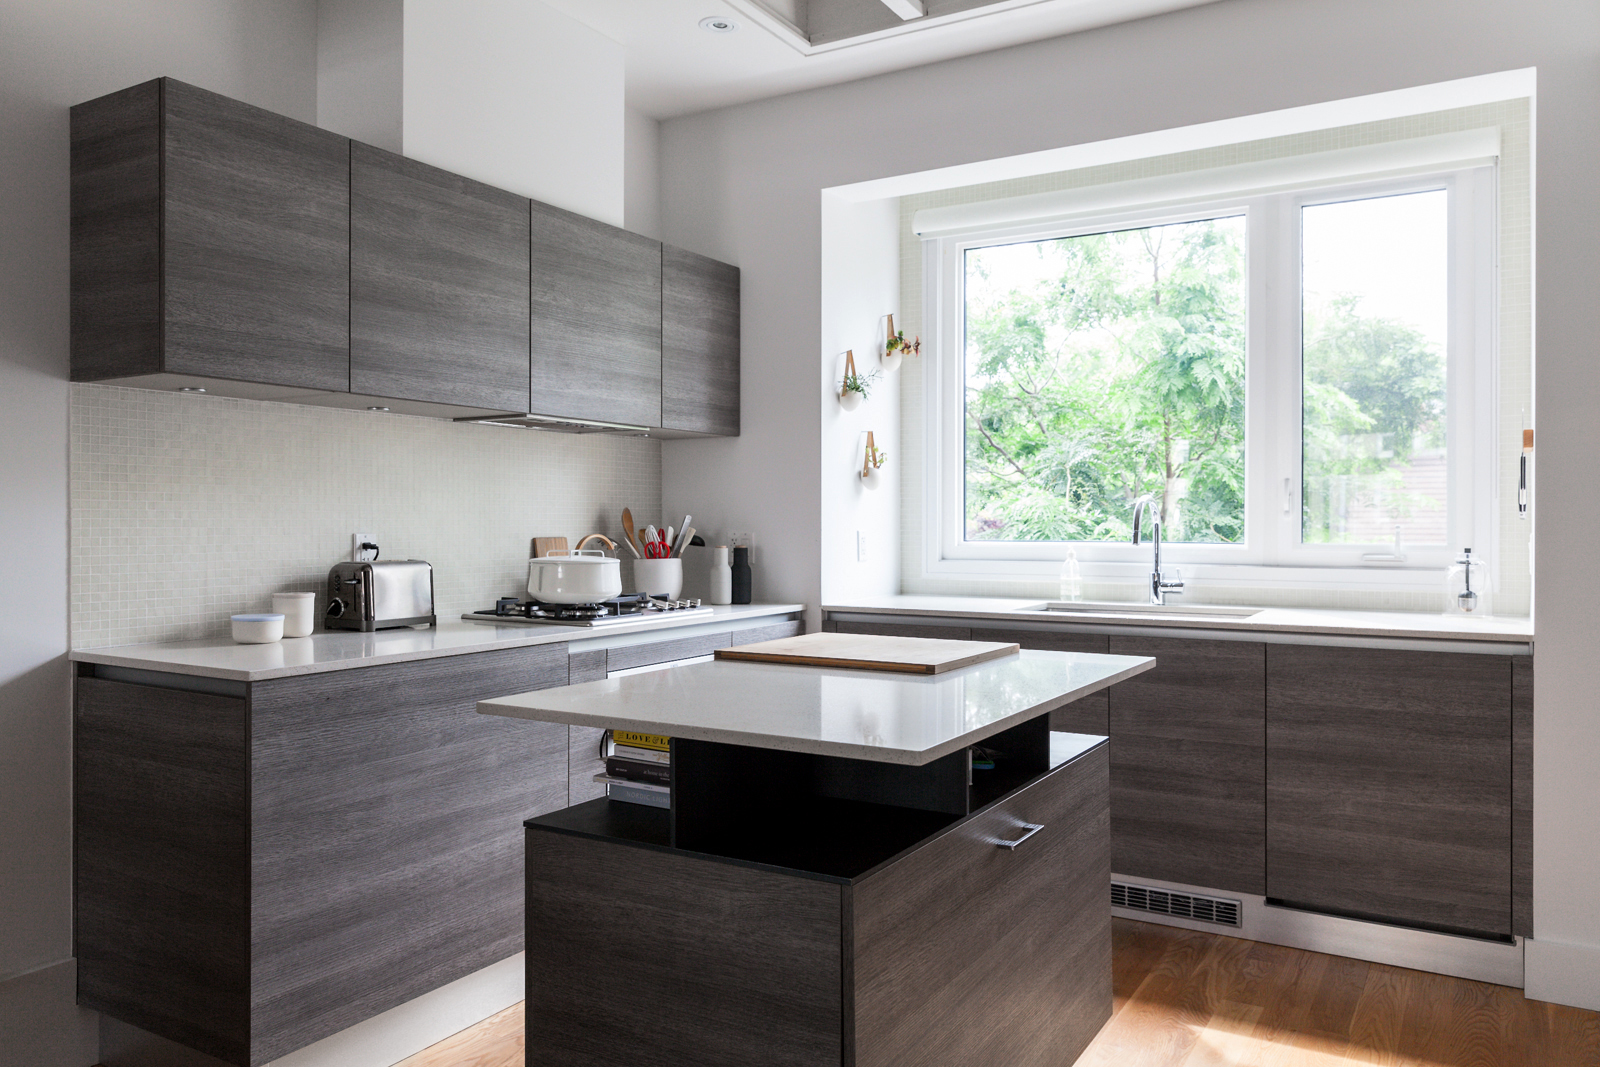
[[547, 422]]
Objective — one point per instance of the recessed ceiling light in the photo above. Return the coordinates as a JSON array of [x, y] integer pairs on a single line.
[[190, 389], [376, 408], [718, 24]]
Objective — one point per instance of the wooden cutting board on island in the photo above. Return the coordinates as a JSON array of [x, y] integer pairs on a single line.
[[872, 652]]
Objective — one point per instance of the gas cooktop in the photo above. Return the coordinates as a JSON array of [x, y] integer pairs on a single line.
[[635, 608]]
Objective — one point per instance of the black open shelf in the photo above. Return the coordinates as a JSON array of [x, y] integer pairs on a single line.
[[817, 816], [612, 820]]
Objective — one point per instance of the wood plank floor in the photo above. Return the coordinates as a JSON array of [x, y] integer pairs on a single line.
[[1188, 999]]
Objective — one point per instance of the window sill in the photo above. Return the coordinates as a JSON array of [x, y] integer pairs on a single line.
[[1371, 577]]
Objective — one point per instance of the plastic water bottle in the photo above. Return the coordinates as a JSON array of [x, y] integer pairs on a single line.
[[1071, 578]]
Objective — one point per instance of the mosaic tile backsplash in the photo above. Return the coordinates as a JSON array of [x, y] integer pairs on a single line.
[[189, 509]]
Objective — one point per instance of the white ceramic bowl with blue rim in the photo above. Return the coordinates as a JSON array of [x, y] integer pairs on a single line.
[[258, 629]]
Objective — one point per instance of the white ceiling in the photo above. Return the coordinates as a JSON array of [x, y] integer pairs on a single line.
[[676, 68]]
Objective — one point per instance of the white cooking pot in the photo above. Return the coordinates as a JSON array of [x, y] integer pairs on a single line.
[[586, 576]]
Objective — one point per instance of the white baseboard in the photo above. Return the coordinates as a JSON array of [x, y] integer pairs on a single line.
[[1398, 946], [41, 1024], [376, 1042], [1564, 973]]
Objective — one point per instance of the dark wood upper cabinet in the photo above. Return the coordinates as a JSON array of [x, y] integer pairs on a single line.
[[1389, 785], [699, 344], [209, 238], [438, 285], [215, 244], [1188, 748], [596, 299]]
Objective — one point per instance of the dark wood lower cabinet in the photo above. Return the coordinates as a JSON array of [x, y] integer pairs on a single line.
[[1522, 796], [258, 871], [1389, 785], [1188, 764], [944, 949]]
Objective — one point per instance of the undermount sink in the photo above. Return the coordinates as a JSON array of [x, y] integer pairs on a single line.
[[1125, 607]]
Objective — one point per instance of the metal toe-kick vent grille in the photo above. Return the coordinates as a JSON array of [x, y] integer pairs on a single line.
[[1182, 905]]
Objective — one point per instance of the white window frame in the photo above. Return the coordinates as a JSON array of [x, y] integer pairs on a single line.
[[1271, 553]]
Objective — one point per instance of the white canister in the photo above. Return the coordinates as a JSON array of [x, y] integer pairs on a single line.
[[299, 612], [659, 577], [257, 629], [721, 577]]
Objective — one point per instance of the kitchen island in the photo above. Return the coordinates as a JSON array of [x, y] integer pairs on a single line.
[[834, 882]]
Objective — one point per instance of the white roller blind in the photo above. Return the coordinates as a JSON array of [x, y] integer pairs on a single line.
[[1392, 159]]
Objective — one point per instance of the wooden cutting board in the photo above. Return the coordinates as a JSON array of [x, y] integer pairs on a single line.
[[871, 652], [544, 545]]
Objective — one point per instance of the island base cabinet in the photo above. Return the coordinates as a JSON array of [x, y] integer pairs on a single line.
[[957, 950], [1389, 779], [968, 952]]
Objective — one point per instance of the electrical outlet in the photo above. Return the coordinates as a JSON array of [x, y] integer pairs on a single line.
[[356, 553], [743, 540], [861, 546]]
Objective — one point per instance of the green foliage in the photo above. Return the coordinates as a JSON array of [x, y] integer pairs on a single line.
[[1115, 368], [1374, 394], [1103, 367]]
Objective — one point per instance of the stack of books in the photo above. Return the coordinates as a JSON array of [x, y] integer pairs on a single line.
[[638, 769]]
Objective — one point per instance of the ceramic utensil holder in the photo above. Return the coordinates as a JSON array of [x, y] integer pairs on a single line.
[[659, 577]]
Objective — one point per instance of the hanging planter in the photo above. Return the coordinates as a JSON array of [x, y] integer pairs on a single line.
[[897, 346], [872, 460], [855, 386]]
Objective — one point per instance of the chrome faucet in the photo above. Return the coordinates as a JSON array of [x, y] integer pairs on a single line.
[[1159, 586]]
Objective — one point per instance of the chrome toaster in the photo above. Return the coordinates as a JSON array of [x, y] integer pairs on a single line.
[[380, 595]]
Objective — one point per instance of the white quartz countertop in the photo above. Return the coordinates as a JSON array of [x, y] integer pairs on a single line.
[[221, 657], [1396, 625], [859, 714]]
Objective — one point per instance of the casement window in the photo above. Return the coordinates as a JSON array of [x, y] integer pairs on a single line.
[[1301, 374]]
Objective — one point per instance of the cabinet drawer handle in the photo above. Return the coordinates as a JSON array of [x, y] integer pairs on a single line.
[[1029, 829]]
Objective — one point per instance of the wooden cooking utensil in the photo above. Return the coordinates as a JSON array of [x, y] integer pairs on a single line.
[[627, 529]]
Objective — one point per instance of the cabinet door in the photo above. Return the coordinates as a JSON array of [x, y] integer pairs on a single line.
[[385, 833], [643, 956], [1389, 785], [969, 953], [902, 629], [1086, 715], [596, 320], [438, 285], [1188, 779], [699, 343], [256, 244]]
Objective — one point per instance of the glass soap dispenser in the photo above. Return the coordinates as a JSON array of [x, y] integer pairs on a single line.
[[1071, 577], [1466, 587]]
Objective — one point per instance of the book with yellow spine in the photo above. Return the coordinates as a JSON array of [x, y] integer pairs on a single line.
[[633, 740]]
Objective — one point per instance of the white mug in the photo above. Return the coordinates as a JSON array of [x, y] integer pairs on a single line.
[[298, 611]]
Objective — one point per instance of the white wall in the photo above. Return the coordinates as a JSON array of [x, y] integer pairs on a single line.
[[641, 162], [359, 70], [518, 95], [743, 184], [53, 55], [860, 288]]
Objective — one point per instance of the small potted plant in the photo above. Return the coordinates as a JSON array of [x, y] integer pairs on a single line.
[[856, 385], [898, 346], [871, 460]]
